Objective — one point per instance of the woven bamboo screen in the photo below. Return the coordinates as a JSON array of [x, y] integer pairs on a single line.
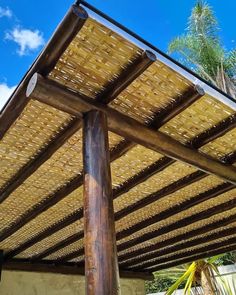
[[166, 207]]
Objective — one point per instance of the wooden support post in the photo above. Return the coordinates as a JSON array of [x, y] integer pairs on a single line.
[[101, 265], [1, 262]]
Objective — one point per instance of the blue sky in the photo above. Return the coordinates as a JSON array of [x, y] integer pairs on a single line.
[[26, 25]]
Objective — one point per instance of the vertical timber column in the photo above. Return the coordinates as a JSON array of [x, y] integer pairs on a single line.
[[101, 265]]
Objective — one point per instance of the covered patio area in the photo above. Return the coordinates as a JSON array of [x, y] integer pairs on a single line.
[[116, 161]]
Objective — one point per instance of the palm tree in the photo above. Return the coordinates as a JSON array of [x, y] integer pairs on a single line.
[[199, 273], [201, 49]]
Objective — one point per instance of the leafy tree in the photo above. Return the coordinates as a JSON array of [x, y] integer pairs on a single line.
[[201, 49]]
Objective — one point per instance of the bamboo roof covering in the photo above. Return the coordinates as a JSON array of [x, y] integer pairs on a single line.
[[170, 208]]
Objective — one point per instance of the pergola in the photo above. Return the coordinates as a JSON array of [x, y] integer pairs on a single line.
[[104, 120]]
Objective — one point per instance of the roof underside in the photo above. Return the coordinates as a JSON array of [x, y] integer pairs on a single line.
[[167, 212]]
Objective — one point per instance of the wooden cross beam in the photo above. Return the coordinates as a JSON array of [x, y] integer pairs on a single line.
[[61, 98]]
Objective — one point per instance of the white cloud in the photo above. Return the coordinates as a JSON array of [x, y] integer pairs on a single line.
[[5, 93], [27, 40], [5, 12]]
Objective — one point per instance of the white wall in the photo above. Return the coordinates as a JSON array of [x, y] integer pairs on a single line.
[[26, 283]]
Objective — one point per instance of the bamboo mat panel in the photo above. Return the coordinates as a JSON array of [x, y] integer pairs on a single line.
[[152, 91], [64, 165], [77, 260], [198, 208], [156, 240], [180, 231], [221, 146], [50, 241], [153, 184], [66, 250], [131, 163], [187, 251], [94, 58], [31, 132], [190, 256], [57, 212], [200, 116], [169, 201], [65, 207]]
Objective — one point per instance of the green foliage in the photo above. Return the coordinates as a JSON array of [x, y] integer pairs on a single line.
[[159, 285], [201, 49], [167, 278], [226, 259]]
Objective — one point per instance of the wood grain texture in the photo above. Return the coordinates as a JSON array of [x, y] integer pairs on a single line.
[[101, 265], [58, 96]]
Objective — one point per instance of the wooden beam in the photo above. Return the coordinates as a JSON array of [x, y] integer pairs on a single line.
[[101, 264], [187, 245], [177, 256], [143, 175], [205, 254], [178, 238], [178, 224], [65, 269], [56, 95], [78, 214], [66, 31], [41, 158], [126, 77], [212, 193], [118, 84], [179, 104], [216, 131], [167, 190], [164, 215]]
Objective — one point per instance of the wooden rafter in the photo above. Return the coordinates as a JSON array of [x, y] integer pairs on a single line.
[[57, 96], [155, 251], [203, 255], [164, 215], [79, 214], [66, 31], [66, 269], [118, 84]]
